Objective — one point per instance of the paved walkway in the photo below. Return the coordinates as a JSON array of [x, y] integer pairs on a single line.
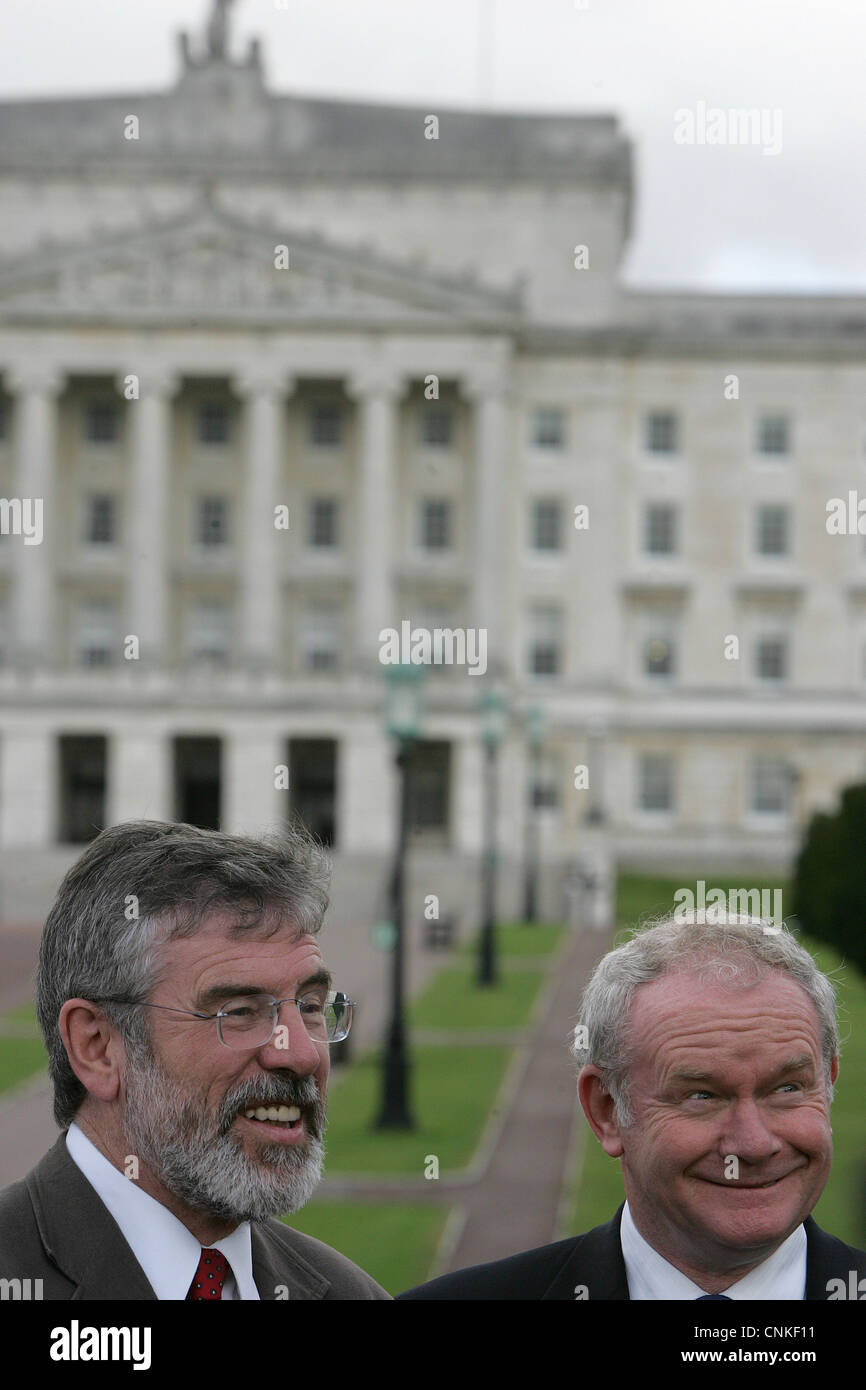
[[510, 1198]]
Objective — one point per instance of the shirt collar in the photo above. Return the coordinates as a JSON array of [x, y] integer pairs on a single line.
[[167, 1252], [781, 1276]]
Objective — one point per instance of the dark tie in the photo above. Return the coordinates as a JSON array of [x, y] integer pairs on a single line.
[[209, 1278], [711, 1297]]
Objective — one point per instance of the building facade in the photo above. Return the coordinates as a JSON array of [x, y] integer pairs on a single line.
[[282, 375]]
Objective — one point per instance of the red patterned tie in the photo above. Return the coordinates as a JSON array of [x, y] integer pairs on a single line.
[[209, 1278]]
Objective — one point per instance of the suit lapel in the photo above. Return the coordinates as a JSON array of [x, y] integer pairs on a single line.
[[79, 1233], [278, 1270], [828, 1258], [595, 1264]]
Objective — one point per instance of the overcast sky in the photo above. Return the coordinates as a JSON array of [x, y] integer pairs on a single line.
[[720, 215]]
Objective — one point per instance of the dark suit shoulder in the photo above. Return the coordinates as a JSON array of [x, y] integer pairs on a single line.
[[527, 1275], [18, 1230], [22, 1251], [588, 1266], [347, 1280], [831, 1265]]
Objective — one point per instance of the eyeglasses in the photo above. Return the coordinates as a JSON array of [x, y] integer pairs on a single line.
[[251, 1021]]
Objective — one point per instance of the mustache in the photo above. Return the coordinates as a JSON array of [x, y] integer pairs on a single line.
[[277, 1088]]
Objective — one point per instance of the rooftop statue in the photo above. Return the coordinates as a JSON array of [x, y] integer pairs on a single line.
[[217, 29]]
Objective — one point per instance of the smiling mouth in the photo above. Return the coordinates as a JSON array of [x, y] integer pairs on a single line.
[[287, 1115], [747, 1186]]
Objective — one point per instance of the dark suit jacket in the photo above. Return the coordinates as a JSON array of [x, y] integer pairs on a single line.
[[54, 1227], [595, 1260]]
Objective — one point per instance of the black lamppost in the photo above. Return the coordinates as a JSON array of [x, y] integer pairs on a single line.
[[403, 693], [493, 720], [535, 731]]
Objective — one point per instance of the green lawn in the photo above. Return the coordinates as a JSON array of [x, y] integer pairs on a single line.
[[452, 1091], [840, 1209], [22, 1051], [520, 939], [395, 1243], [454, 1000]]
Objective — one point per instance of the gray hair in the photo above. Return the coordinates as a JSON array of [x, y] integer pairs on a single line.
[[143, 883], [729, 949]]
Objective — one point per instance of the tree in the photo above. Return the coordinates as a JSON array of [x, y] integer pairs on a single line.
[[830, 880]]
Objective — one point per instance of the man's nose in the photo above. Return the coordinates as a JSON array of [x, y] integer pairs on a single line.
[[748, 1135], [291, 1044]]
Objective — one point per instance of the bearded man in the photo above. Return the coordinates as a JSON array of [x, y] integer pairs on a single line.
[[187, 1013]]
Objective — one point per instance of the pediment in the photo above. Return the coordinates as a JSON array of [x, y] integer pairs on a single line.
[[209, 267]]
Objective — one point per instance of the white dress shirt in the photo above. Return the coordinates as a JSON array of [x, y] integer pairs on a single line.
[[167, 1252], [781, 1276]]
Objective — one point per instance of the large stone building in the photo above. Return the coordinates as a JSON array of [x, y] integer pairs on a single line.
[[287, 372]]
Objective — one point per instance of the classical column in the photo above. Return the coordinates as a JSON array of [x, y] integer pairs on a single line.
[[140, 773], [28, 793], [36, 438], [253, 803], [264, 395], [149, 513], [377, 394], [491, 542]]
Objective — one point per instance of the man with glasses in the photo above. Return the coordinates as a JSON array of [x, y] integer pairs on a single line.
[[188, 1014]]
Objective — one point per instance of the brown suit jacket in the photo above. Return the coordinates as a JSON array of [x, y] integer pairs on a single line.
[[54, 1227]]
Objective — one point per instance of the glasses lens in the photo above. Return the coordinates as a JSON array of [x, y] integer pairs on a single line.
[[246, 1022], [327, 1017], [338, 1016]]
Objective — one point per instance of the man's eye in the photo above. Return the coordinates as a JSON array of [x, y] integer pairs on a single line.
[[312, 1006]]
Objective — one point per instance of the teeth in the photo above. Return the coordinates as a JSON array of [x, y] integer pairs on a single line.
[[285, 1114]]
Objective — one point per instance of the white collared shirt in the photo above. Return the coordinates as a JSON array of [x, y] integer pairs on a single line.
[[167, 1252], [781, 1276]]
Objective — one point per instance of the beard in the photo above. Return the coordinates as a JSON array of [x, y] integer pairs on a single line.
[[196, 1155]]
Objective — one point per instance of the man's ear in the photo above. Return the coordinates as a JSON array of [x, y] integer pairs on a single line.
[[94, 1049], [598, 1107]]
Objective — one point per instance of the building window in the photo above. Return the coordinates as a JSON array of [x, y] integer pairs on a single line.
[[213, 422], [212, 517], [771, 530], [99, 520], [436, 426], [771, 659], [321, 636], [770, 786], [656, 782], [658, 658], [773, 435], [428, 791], [433, 617], [322, 523], [435, 524], [207, 636], [326, 424], [101, 422], [546, 524], [660, 529], [83, 767], [544, 782], [545, 641], [4, 419], [95, 635], [661, 432], [548, 428]]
